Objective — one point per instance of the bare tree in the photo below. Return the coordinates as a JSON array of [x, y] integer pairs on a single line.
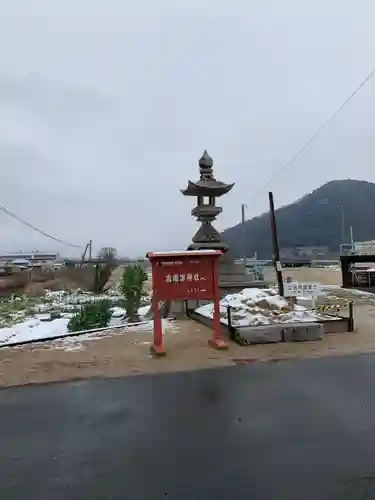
[[109, 254], [109, 257]]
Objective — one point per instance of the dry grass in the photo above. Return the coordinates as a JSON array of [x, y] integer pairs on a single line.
[[34, 282]]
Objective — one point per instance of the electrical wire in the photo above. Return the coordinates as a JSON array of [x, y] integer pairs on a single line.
[[31, 226], [320, 130], [274, 174]]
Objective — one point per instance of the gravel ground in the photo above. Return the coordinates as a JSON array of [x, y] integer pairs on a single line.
[[126, 351]]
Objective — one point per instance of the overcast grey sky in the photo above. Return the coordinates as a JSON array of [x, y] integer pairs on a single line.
[[106, 107]]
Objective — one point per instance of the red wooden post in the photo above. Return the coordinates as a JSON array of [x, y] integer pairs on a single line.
[[217, 341], [183, 276], [158, 347]]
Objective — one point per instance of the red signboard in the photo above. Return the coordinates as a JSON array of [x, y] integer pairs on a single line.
[[179, 279], [182, 276]]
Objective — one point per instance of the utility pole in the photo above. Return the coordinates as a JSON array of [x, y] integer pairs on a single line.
[[351, 238], [275, 242], [342, 222], [243, 246], [87, 248]]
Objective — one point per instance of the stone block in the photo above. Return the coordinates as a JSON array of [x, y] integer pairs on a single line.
[[259, 334], [302, 332]]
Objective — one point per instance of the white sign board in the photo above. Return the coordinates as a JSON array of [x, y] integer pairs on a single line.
[[297, 289]]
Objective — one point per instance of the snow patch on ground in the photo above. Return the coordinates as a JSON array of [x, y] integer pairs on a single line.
[[361, 293], [33, 329], [332, 287], [118, 312], [78, 343], [40, 326], [353, 291], [142, 311], [254, 306]]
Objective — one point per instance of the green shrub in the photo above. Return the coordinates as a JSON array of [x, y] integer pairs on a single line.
[[92, 315], [131, 287]]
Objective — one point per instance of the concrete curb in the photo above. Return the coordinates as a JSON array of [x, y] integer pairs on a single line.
[[338, 324]]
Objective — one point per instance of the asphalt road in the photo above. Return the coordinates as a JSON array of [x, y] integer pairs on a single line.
[[292, 430]]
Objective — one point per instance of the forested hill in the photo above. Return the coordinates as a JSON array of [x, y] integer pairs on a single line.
[[315, 219]]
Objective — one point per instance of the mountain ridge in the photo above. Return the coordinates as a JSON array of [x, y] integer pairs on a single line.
[[317, 218]]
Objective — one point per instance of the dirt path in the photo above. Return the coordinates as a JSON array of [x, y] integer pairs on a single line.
[[126, 352]]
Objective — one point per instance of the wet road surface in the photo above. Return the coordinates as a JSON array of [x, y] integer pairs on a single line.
[[296, 430]]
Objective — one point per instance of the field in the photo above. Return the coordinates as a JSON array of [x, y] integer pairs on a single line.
[[34, 281], [24, 318], [125, 350], [325, 276]]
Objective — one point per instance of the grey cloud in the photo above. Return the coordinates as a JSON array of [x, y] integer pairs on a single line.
[[105, 108]]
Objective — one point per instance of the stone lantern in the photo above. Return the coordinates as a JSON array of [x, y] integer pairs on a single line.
[[206, 190]]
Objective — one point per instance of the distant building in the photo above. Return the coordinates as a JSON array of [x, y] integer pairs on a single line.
[[304, 254], [29, 259], [364, 247]]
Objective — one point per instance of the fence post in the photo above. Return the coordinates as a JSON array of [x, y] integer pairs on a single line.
[[351, 317], [96, 282], [229, 316]]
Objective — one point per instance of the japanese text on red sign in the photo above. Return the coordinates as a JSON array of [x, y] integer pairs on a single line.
[[181, 278]]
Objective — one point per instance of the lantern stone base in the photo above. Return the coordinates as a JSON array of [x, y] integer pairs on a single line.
[[233, 275]]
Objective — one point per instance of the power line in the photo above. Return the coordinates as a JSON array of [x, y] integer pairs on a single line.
[[15, 217], [312, 139]]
